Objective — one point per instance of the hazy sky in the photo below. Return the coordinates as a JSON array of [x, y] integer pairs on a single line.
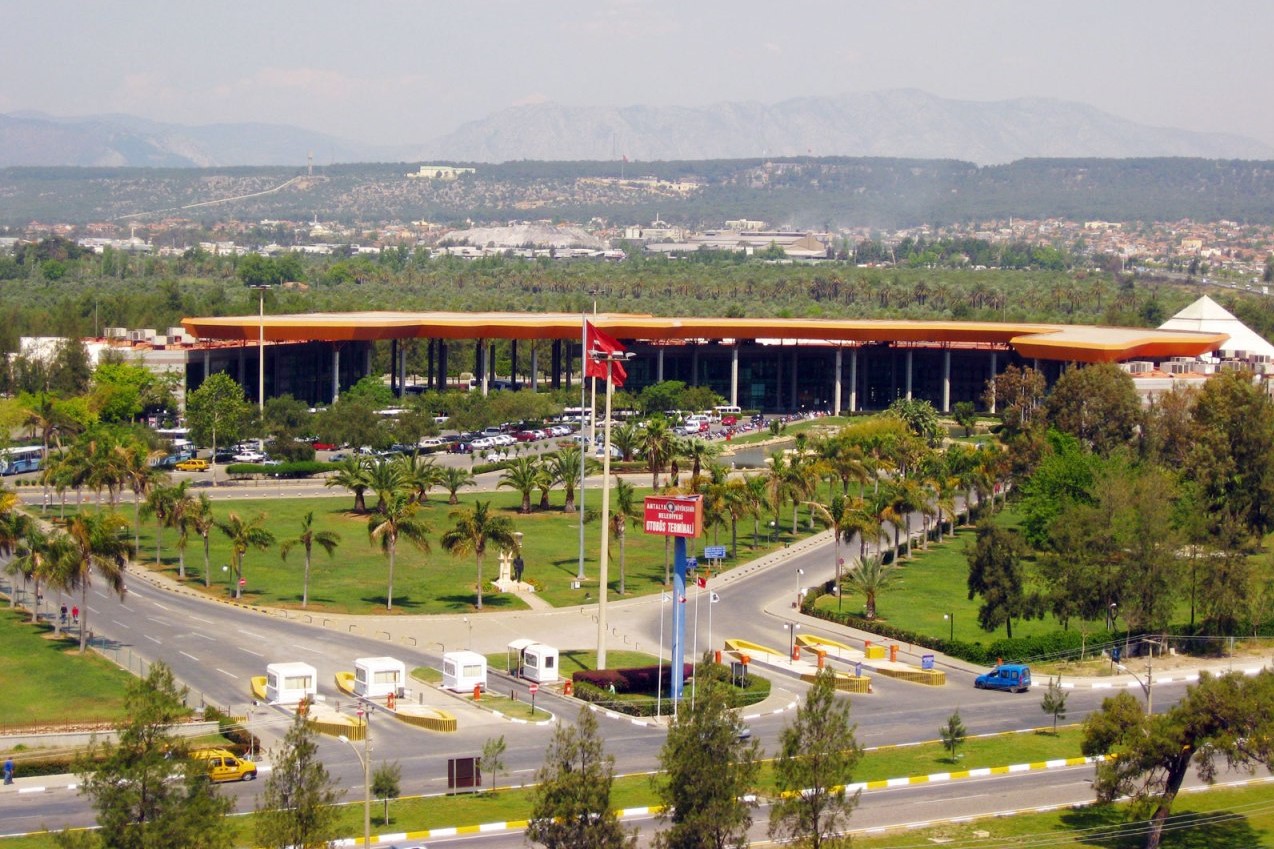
[[410, 70]]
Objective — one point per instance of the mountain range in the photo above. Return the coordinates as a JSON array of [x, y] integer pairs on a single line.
[[900, 123]]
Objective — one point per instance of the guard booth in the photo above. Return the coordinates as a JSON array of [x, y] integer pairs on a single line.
[[290, 683], [463, 670], [539, 664], [377, 677]]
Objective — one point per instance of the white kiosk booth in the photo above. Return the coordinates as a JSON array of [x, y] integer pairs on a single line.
[[463, 670], [290, 683], [376, 677], [539, 663]]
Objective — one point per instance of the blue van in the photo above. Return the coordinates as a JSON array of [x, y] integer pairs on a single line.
[[1013, 677]]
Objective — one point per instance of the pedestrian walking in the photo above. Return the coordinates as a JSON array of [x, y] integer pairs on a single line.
[[518, 566], [8, 770], [75, 615], [62, 619]]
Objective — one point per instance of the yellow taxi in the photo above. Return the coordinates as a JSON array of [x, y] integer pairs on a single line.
[[193, 465], [223, 765]]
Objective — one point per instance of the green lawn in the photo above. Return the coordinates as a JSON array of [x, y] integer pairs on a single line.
[[46, 680]]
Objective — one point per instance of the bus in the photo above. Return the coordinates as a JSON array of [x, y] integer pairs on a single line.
[[727, 410], [15, 461]]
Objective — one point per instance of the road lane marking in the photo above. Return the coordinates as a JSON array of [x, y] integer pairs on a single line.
[[199, 619], [191, 656], [250, 651], [305, 648], [152, 639], [119, 623], [252, 635], [223, 672], [160, 606]]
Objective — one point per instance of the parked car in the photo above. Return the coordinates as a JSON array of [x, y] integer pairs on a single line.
[[249, 457], [225, 766], [1013, 677], [193, 465], [325, 446]]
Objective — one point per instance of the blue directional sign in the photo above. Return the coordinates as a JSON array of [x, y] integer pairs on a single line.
[[692, 562], [714, 552]]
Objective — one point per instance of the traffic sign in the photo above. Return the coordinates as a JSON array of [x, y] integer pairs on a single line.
[[534, 688], [692, 562], [714, 552], [243, 582]]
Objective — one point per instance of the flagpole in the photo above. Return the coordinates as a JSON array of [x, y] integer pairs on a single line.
[[583, 451], [659, 680], [603, 567], [694, 655], [711, 601]]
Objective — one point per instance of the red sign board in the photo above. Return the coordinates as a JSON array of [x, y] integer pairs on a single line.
[[534, 688], [674, 515], [243, 582]]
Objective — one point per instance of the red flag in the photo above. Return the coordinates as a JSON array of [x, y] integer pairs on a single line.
[[702, 581], [597, 341]]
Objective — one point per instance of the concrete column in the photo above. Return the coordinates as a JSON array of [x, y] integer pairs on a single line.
[[853, 381], [513, 362], [535, 366], [991, 381], [207, 364], [734, 375], [480, 364], [336, 372], [796, 357], [442, 365], [659, 365], [1035, 363], [402, 369], [566, 357], [367, 359], [694, 366], [907, 379], [836, 384], [393, 366], [555, 370], [242, 372], [491, 363], [778, 379], [946, 380]]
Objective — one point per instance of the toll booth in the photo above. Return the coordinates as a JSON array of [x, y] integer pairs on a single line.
[[539, 664], [377, 677], [463, 670], [290, 683]]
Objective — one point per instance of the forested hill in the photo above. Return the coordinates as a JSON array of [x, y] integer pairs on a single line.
[[796, 192]]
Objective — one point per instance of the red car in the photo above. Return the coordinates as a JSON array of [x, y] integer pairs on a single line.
[[325, 446], [526, 436], [728, 420]]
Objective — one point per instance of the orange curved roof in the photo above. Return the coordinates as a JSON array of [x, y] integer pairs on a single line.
[[1083, 343]]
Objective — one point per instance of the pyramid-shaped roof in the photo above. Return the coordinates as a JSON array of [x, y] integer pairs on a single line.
[[1206, 315]]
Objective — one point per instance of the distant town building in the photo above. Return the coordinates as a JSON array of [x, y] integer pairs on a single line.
[[440, 172]]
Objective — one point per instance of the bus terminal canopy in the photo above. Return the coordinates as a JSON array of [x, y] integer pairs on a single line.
[[1079, 343]]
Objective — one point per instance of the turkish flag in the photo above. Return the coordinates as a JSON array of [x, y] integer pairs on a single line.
[[599, 342], [702, 582]]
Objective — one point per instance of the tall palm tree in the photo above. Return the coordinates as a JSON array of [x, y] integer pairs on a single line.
[[475, 529], [836, 514], [244, 535], [52, 560], [179, 519], [564, 465], [352, 474], [453, 478], [698, 452], [134, 462], [397, 519], [738, 504], [326, 540], [202, 520], [31, 552], [544, 482], [624, 511], [626, 438], [159, 504], [523, 475], [385, 478], [657, 447], [861, 521], [757, 495], [869, 578], [421, 473], [98, 544]]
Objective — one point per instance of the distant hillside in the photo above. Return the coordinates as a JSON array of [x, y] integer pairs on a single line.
[[899, 124], [904, 123], [798, 192]]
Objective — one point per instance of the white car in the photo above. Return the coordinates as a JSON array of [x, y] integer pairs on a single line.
[[249, 457]]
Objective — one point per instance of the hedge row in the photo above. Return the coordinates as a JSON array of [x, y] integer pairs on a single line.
[[299, 469], [637, 679]]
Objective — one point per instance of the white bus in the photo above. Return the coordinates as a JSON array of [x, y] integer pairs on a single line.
[[727, 410], [15, 461]]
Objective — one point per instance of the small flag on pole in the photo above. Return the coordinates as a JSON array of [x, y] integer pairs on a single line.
[[600, 342], [683, 599], [713, 597], [702, 581], [665, 597]]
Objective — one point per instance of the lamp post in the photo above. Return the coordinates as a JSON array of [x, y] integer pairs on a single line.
[[950, 617], [1147, 686], [792, 628], [365, 761], [260, 365], [470, 624], [799, 573]]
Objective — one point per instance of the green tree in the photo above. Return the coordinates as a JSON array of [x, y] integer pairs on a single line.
[[1098, 404], [624, 511], [98, 545], [352, 473], [453, 479], [1149, 755], [216, 413], [493, 757], [817, 756], [996, 574], [657, 445], [871, 576], [522, 475], [326, 540], [953, 733], [297, 807], [145, 791], [1054, 701], [244, 535], [921, 418], [202, 520], [387, 784], [570, 803], [965, 415], [706, 774], [397, 519], [475, 529]]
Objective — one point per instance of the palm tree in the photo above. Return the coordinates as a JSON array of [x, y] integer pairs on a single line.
[[51, 559], [420, 474], [453, 478], [327, 540], [397, 519], [160, 502], [475, 529], [385, 478], [179, 519], [202, 521], [757, 497], [657, 447], [97, 545], [836, 514], [523, 475], [134, 464], [624, 511], [544, 482], [869, 578], [626, 438], [243, 536], [31, 561], [352, 474], [698, 452], [737, 503], [862, 522], [564, 466]]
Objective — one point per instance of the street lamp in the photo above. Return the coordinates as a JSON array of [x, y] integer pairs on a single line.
[[792, 627], [799, 573], [470, 624], [950, 617], [365, 761]]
